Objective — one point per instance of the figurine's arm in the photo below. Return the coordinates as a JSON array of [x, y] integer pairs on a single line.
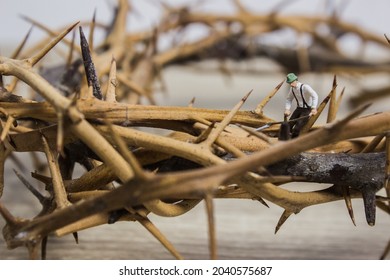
[[314, 97], [288, 105]]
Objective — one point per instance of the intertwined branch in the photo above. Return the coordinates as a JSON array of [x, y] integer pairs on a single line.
[[89, 113]]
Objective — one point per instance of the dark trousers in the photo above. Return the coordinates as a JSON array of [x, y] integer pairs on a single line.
[[297, 125]]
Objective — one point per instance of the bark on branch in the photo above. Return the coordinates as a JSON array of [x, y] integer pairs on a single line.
[[363, 172]]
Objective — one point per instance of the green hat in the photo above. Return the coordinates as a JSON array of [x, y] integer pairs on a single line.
[[291, 77]]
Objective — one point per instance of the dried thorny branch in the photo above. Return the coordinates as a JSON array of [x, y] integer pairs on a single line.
[[206, 152]]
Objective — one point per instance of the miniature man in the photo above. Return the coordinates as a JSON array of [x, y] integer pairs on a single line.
[[307, 100]]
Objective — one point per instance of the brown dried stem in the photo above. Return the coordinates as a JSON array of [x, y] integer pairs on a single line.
[[114, 151], [60, 195]]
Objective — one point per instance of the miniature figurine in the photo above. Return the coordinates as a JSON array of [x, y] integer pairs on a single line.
[[306, 99]]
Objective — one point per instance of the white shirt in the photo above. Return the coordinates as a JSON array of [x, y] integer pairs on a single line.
[[310, 96]]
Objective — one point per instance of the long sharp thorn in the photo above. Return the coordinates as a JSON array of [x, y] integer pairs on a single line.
[[260, 107], [3, 157], [387, 38], [246, 97], [314, 118], [76, 237], [225, 122], [60, 134], [332, 104], [387, 170], [159, 236], [6, 128], [211, 223], [257, 134], [369, 201], [279, 6], [11, 87], [348, 202], [44, 248], [39, 25], [205, 134], [34, 191], [119, 24], [16, 53], [18, 163], [383, 205], [127, 154], [335, 128], [352, 115], [92, 31], [240, 7], [71, 49], [49, 31], [8, 217], [262, 201], [112, 83], [90, 70], [387, 249], [34, 60], [192, 102], [339, 99], [60, 195], [33, 250], [373, 144], [286, 214], [131, 84]]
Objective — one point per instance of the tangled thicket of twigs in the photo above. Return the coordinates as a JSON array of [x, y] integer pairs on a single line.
[[93, 102]]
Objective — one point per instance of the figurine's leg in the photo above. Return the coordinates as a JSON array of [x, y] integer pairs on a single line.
[[293, 123], [299, 124]]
